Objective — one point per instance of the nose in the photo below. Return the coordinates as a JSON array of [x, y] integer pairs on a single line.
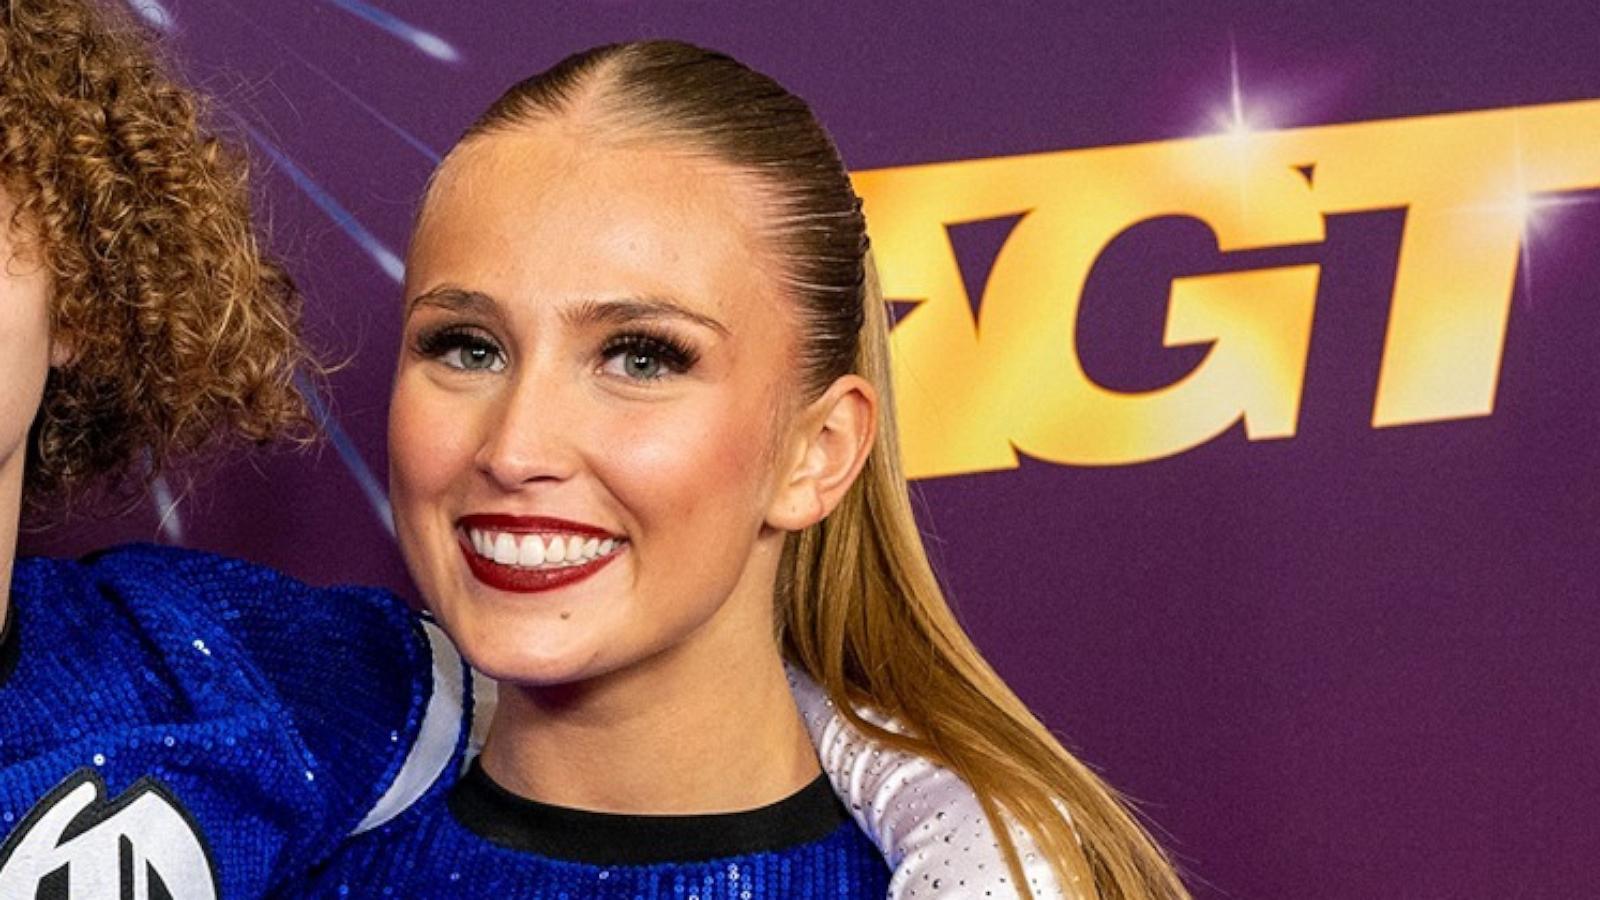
[[529, 438]]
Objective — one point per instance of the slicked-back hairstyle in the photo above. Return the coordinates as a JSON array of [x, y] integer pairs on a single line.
[[859, 607], [710, 104], [182, 331]]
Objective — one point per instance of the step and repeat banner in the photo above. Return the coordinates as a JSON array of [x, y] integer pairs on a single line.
[[1248, 360]]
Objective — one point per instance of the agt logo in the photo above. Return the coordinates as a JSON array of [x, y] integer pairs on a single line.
[[973, 391]]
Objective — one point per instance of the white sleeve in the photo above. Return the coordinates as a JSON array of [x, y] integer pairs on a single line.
[[924, 819], [437, 737]]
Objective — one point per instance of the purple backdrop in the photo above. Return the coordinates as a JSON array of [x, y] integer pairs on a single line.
[[1355, 663]]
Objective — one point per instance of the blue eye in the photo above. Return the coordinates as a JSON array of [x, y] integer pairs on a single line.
[[461, 349], [640, 366], [474, 359], [643, 357]]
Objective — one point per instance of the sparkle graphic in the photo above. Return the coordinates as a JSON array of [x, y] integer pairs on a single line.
[[154, 14], [1238, 123], [364, 238], [426, 41], [1238, 119], [1532, 211], [377, 115], [377, 498]]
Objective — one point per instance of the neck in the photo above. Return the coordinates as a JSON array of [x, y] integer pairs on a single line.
[[10, 516], [707, 726]]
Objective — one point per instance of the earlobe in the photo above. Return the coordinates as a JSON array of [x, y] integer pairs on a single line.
[[836, 434]]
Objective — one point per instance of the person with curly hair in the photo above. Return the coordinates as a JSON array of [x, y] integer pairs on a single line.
[[172, 724]]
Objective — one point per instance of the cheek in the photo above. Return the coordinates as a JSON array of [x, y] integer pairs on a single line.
[[24, 363], [679, 464], [430, 439]]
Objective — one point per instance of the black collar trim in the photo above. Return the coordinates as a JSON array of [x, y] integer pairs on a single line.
[[612, 839], [9, 643]]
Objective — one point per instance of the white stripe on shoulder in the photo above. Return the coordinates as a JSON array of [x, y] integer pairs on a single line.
[[926, 821], [485, 697], [437, 737]]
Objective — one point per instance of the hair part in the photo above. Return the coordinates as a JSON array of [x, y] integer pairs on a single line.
[[680, 95], [859, 606], [182, 331]]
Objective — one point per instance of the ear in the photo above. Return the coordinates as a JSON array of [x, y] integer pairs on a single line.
[[833, 436]]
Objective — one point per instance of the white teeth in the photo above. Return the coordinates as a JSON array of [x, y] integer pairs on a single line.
[[505, 549], [531, 551]]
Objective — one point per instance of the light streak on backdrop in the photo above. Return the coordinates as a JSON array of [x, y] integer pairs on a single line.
[[377, 497], [426, 41], [377, 115], [170, 524], [385, 258], [154, 14], [1237, 121], [394, 268]]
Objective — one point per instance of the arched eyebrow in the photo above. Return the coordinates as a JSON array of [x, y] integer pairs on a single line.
[[583, 313], [636, 309], [455, 299]]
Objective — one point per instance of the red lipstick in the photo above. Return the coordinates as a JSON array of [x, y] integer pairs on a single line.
[[529, 580], [532, 525]]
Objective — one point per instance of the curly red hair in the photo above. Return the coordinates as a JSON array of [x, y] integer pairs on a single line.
[[182, 331]]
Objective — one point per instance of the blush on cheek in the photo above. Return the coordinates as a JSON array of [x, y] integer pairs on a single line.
[[685, 465]]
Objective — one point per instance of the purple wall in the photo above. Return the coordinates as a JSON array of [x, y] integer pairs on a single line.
[[1353, 663]]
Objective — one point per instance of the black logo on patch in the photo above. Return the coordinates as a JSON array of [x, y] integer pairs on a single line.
[[76, 845]]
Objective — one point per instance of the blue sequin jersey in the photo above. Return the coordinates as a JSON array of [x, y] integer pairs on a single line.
[[480, 841], [178, 725]]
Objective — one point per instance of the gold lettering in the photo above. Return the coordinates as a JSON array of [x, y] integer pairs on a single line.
[[972, 393]]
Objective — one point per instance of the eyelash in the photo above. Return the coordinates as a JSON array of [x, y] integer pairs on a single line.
[[675, 356], [438, 343]]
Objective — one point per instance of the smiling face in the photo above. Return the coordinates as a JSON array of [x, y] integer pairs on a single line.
[[593, 406]]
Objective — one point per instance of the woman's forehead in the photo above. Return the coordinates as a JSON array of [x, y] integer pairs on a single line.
[[587, 216], [554, 163]]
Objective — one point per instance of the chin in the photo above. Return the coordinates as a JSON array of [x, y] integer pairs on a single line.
[[530, 654]]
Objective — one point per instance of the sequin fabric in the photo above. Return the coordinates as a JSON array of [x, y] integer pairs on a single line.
[[183, 722], [927, 821]]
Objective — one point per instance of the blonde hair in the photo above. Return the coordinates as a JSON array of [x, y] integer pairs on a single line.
[[859, 606], [863, 613]]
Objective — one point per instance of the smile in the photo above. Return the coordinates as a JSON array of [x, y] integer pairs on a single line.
[[533, 554], [532, 551]]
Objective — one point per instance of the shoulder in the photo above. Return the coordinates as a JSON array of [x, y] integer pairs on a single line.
[[179, 580]]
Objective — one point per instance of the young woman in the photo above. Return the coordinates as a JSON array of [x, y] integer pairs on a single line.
[[642, 456], [171, 724]]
